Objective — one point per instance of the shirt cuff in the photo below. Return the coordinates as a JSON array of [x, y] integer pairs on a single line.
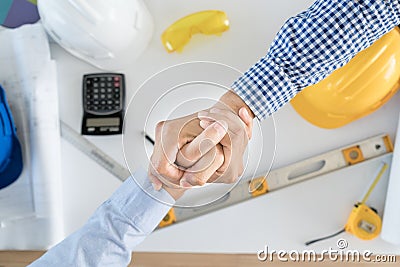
[[140, 203], [265, 88]]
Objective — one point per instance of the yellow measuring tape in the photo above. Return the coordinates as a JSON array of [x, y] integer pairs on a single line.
[[364, 222]]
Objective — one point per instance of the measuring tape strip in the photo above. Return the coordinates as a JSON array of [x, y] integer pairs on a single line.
[[247, 189]]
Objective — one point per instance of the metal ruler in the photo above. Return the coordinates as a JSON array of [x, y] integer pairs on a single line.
[[93, 152], [247, 189]]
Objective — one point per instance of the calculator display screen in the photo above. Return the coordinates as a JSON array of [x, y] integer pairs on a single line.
[[102, 122]]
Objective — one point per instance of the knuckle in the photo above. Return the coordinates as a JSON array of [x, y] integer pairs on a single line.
[[209, 135], [162, 169], [219, 173], [219, 156], [232, 179], [196, 179], [159, 129], [160, 125]]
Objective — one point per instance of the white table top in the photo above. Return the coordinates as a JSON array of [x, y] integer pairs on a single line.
[[282, 220]]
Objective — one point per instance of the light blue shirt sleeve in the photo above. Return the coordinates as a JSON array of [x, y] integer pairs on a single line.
[[117, 226]]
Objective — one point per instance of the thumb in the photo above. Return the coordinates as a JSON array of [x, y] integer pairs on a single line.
[[248, 121], [203, 143]]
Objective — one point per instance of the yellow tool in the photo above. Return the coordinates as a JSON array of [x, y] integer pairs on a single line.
[[168, 219], [364, 222], [208, 22], [276, 179], [359, 88]]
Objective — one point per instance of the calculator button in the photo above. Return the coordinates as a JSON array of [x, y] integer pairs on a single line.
[[103, 94]]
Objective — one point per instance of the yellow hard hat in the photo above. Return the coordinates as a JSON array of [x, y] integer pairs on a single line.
[[357, 89]]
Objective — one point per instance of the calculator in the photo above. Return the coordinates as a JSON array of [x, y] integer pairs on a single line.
[[103, 103]]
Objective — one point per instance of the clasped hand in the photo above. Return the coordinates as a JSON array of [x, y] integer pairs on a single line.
[[204, 147]]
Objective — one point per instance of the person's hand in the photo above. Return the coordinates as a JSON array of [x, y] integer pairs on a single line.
[[202, 158], [203, 155], [231, 109], [233, 144]]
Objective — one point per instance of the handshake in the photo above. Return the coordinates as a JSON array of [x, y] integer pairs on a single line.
[[204, 147]]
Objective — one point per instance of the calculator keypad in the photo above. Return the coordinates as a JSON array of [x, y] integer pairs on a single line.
[[103, 94]]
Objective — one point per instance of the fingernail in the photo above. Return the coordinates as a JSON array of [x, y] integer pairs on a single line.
[[215, 110], [185, 184], [246, 113], [221, 127], [156, 187], [204, 124]]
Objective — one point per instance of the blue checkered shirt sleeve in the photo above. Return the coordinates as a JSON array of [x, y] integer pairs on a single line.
[[312, 45]]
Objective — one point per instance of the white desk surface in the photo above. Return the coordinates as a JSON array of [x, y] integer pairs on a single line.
[[282, 220]]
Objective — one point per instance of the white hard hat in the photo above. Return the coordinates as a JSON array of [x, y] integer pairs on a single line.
[[108, 34]]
